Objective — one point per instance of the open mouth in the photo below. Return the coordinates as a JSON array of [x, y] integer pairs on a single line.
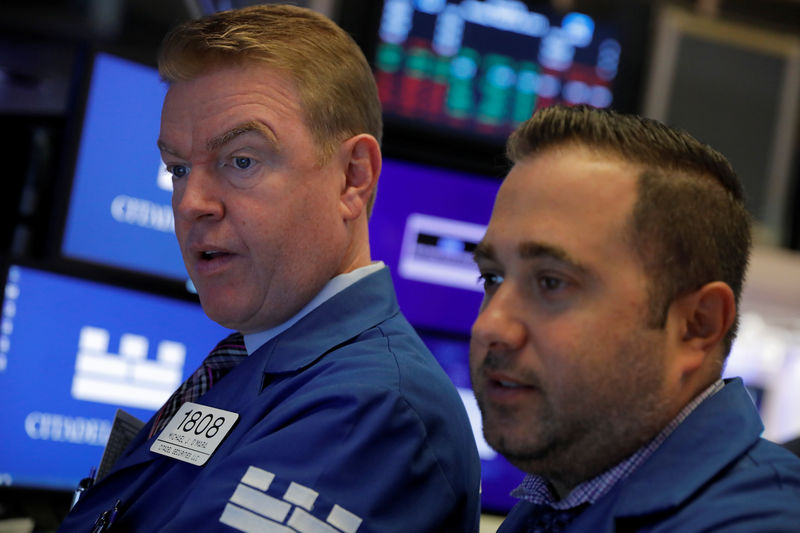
[[507, 384], [212, 254], [211, 261]]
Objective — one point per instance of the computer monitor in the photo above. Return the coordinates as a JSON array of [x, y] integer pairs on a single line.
[[696, 83], [425, 225], [72, 351], [481, 67], [119, 212]]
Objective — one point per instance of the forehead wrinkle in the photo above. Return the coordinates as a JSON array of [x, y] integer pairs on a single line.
[[165, 149], [217, 142]]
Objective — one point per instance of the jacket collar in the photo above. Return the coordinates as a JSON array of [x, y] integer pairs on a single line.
[[352, 311], [721, 428]]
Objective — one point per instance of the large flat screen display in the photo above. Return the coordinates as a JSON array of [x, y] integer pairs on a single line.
[[484, 66], [425, 225], [72, 351], [119, 211]]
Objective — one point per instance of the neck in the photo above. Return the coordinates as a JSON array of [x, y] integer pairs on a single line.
[[357, 254]]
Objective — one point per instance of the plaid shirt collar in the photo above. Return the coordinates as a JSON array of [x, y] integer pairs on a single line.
[[537, 490]]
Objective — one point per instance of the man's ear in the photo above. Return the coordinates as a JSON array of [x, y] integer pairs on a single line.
[[703, 317], [362, 160]]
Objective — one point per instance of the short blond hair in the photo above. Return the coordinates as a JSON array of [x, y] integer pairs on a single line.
[[337, 90]]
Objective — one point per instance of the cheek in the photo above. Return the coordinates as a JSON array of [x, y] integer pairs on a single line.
[[573, 351], [181, 230], [477, 353], [277, 237]]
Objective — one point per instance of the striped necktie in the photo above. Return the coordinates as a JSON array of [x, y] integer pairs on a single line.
[[223, 358]]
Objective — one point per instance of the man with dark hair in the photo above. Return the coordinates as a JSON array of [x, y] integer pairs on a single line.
[[336, 417], [612, 266]]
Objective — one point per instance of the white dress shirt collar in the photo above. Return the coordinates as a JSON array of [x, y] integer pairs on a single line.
[[254, 341]]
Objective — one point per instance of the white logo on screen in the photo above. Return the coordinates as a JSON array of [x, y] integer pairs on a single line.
[[146, 213], [126, 378]]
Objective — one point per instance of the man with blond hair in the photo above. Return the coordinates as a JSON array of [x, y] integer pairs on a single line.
[[336, 417]]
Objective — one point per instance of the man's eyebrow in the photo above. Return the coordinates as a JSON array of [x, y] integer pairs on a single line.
[[529, 250], [162, 146], [248, 127], [483, 251], [221, 140], [534, 250]]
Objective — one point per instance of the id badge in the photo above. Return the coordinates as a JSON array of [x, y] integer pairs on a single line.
[[194, 433]]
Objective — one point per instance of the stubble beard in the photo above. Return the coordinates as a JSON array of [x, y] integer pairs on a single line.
[[569, 436]]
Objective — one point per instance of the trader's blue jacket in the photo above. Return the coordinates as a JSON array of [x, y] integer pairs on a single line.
[[713, 473], [347, 424]]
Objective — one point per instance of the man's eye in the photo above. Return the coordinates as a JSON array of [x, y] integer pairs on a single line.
[[178, 171], [550, 283], [489, 280], [242, 163]]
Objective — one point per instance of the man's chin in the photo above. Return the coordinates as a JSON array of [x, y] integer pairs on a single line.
[[223, 315], [521, 449]]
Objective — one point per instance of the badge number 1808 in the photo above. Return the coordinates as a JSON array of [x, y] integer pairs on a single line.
[[194, 433]]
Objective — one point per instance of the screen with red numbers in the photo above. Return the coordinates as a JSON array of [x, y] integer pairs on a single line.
[[482, 67]]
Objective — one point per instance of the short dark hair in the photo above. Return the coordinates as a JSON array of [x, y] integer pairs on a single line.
[[689, 224]]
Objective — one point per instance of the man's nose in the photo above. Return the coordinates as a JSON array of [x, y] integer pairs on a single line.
[[198, 196], [500, 325]]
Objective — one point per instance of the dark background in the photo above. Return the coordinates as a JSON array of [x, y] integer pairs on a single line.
[[46, 48]]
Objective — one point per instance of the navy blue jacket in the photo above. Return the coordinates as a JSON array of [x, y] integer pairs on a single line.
[[713, 473], [346, 421]]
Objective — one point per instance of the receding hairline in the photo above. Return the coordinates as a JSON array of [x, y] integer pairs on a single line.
[[635, 138], [609, 152]]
